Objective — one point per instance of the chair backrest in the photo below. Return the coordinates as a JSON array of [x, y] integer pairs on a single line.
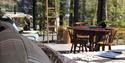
[[9, 25], [70, 30], [60, 32], [75, 35], [112, 35]]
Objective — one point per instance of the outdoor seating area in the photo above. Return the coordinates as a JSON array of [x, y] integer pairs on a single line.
[[62, 31]]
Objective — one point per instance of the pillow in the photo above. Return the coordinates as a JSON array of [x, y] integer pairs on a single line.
[[35, 54]]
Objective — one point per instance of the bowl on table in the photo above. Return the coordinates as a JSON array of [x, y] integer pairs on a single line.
[[92, 26]]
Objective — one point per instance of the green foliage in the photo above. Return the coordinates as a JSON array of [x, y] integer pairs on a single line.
[[90, 9], [116, 12], [41, 8], [63, 8]]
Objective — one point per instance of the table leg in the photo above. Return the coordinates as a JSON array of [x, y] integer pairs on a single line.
[[91, 39], [93, 45]]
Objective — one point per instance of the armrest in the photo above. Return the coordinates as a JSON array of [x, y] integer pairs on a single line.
[[32, 36]]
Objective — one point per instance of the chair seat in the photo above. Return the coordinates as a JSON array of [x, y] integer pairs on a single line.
[[32, 36], [84, 37]]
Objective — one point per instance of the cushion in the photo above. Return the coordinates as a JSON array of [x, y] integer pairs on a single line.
[[15, 48], [34, 53], [12, 51]]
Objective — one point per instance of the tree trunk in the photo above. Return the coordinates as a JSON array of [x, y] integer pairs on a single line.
[[101, 14], [34, 14], [76, 4], [82, 5], [71, 20]]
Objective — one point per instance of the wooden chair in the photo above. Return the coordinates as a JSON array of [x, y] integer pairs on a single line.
[[63, 35], [108, 40], [60, 34], [78, 41]]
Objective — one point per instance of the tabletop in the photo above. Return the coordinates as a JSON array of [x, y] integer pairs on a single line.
[[94, 28]]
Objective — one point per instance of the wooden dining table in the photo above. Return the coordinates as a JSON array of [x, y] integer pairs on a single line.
[[94, 33]]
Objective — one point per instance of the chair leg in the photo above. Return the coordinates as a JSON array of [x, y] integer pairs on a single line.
[[85, 48], [82, 48], [109, 46], [103, 47], [79, 47], [97, 47], [90, 47], [75, 48], [71, 48]]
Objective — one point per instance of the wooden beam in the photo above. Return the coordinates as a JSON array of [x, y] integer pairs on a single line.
[[76, 4]]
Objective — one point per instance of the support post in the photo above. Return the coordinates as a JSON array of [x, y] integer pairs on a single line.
[[34, 14]]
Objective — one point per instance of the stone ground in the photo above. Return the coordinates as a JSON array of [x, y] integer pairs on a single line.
[[86, 57]]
